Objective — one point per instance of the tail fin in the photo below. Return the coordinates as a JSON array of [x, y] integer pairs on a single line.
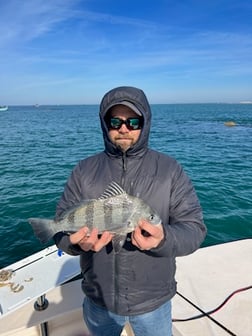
[[42, 228]]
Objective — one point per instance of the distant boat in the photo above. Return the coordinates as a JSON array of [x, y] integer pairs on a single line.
[[246, 102], [3, 108]]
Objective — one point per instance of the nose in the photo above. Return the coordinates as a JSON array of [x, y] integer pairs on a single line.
[[123, 129]]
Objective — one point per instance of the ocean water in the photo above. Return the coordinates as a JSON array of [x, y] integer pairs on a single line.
[[39, 146]]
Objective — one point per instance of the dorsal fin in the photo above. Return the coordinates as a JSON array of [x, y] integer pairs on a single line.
[[112, 190]]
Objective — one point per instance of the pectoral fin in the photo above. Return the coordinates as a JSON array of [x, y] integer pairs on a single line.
[[117, 242]]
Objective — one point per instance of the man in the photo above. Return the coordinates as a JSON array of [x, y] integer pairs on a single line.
[[136, 284]]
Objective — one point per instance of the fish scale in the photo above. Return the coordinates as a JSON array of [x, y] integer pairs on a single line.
[[89, 214], [108, 213]]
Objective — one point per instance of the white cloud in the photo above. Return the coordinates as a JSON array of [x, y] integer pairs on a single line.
[[26, 20]]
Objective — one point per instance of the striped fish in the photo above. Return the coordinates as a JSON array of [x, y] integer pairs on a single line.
[[114, 211]]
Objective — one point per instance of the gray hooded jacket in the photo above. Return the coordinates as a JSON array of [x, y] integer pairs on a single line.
[[133, 281]]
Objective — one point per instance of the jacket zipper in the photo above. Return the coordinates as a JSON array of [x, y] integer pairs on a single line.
[[124, 165]]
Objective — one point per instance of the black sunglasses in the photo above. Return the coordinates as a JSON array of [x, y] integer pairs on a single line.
[[132, 124]]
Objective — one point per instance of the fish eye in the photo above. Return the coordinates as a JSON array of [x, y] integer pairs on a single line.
[[151, 217]]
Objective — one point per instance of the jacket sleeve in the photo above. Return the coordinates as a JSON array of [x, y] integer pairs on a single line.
[[185, 229], [70, 197]]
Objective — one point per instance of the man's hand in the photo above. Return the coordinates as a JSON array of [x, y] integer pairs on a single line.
[[90, 240], [147, 236]]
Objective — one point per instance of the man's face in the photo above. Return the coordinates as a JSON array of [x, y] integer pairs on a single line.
[[122, 137]]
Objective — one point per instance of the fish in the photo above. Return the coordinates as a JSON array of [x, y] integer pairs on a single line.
[[114, 211]]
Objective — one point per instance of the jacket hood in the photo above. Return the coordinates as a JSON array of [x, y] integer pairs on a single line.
[[136, 98]]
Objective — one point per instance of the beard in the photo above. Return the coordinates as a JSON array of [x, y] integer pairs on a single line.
[[124, 143]]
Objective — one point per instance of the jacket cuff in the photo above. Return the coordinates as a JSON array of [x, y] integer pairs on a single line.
[[62, 240], [165, 248]]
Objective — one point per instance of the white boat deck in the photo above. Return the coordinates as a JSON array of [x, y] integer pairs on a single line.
[[37, 274], [205, 278]]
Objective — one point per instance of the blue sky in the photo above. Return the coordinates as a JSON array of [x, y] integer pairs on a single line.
[[177, 51]]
